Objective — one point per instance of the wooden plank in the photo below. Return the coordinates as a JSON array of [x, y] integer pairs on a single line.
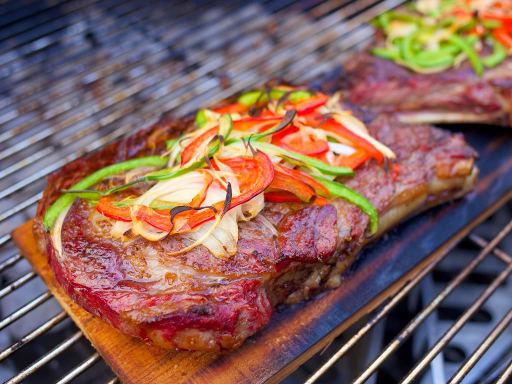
[[133, 361], [297, 332]]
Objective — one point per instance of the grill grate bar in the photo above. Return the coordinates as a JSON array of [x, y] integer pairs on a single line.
[[45, 359], [349, 344], [20, 281], [79, 369], [78, 58], [42, 35], [20, 30], [25, 309], [105, 69], [25, 162], [44, 133], [47, 132], [385, 309], [506, 375], [20, 207], [414, 323], [23, 11], [505, 257], [10, 261], [450, 333], [32, 335], [114, 380], [482, 348]]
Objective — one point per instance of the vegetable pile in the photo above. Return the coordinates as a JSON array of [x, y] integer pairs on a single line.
[[279, 145], [434, 35]]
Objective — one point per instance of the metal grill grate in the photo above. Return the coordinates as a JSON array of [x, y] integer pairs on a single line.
[[75, 75]]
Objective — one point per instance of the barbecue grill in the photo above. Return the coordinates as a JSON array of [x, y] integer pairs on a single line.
[[78, 74]]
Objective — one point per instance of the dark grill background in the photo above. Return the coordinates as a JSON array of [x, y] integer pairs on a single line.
[[75, 75]]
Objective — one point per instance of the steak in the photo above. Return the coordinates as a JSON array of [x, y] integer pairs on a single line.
[[456, 95], [286, 254]]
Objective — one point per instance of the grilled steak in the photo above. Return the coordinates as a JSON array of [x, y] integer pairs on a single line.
[[199, 302], [455, 95]]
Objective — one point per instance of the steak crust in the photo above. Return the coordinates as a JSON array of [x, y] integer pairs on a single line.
[[451, 96], [195, 301]]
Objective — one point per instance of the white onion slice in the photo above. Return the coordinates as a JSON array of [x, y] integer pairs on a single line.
[[56, 233], [341, 149], [356, 126], [119, 228], [267, 224]]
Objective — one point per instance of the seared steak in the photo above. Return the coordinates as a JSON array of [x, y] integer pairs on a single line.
[[454, 96], [290, 251]]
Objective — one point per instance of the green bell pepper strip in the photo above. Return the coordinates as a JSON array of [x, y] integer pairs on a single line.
[[406, 48], [201, 118], [225, 127], [309, 161], [67, 199], [171, 143], [387, 53], [252, 97], [384, 20], [470, 52], [498, 55], [491, 24], [401, 16], [339, 190], [155, 204], [432, 59], [449, 48]]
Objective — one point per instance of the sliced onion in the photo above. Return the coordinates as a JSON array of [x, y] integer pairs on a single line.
[[135, 173], [356, 126], [147, 231], [341, 149], [56, 233], [267, 224], [119, 228], [221, 236], [180, 190], [251, 208]]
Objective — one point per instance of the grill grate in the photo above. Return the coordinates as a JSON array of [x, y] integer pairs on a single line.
[[76, 74]]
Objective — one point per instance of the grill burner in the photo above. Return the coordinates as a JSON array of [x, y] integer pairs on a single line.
[[75, 75]]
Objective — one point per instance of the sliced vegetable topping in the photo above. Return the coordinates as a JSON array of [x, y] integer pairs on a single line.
[[279, 144], [432, 36], [67, 199]]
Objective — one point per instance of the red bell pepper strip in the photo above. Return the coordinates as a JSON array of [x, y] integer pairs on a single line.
[[276, 137], [281, 197], [306, 144], [254, 175], [504, 36], [304, 107], [106, 208], [192, 149], [331, 125], [257, 124], [353, 161], [232, 108], [157, 218], [284, 182], [318, 187]]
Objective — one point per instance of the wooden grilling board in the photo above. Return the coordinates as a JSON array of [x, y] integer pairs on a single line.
[[296, 333]]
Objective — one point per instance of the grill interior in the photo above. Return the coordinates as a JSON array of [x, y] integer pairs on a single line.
[[75, 75]]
